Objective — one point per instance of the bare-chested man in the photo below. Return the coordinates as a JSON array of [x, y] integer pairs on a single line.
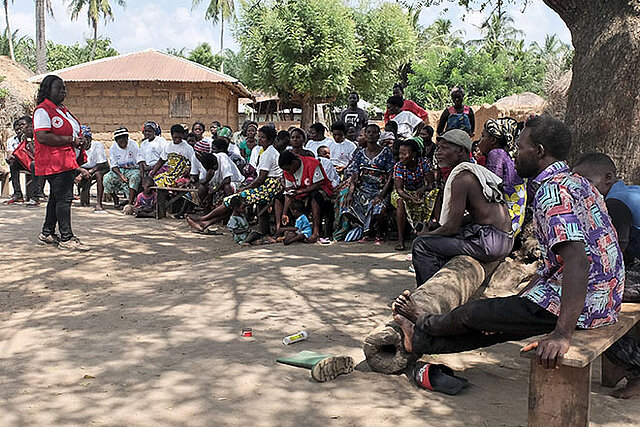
[[474, 218]]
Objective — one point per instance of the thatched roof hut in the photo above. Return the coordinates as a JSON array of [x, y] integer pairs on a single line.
[[19, 96]]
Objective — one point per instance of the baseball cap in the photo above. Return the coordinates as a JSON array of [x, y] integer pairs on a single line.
[[457, 137]]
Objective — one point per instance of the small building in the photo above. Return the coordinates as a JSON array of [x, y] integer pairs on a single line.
[[128, 90]]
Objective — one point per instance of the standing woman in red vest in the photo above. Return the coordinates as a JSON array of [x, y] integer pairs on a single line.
[[57, 134]]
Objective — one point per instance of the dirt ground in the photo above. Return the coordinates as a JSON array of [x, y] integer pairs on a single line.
[[145, 330]]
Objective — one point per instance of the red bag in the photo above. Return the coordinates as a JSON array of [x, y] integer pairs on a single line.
[[23, 155]]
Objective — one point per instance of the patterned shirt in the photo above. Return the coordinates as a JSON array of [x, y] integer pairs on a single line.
[[412, 179], [567, 208]]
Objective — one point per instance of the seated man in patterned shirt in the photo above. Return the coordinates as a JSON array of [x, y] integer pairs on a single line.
[[579, 285]]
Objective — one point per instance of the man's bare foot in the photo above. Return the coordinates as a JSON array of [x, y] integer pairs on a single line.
[[632, 389], [195, 225], [313, 238], [405, 306], [407, 328]]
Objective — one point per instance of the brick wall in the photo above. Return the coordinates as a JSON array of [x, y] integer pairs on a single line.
[[105, 106]]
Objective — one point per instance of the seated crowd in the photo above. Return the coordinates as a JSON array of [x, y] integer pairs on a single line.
[[455, 197]]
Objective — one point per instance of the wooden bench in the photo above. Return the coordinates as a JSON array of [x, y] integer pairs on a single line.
[[163, 201], [560, 397]]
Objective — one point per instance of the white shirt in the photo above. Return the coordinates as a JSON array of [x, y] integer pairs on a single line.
[[269, 162], [233, 148], [183, 149], [96, 154], [150, 151], [255, 156], [42, 121], [12, 144], [330, 170], [314, 145], [124, 157], [341, 153], [407, 122]]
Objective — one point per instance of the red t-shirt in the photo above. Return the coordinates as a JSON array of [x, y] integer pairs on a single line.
[[409, 105], [49, 159]]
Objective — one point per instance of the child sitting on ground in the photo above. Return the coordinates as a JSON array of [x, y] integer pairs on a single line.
[[239, 226], [145, 205], [302, 230]]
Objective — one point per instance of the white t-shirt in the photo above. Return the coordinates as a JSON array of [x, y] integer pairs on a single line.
[[314, 145], [183, 149], [150, 151], [330, 170], [96, 154], [269, 162], [341, 153], [226, 168], [126, 158], [233, 148], [407, 122], [255, 156], [42, 121], [12, 144]]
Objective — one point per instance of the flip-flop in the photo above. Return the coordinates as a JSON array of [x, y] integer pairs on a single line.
[[329, 368], [399, 247], [437, 377]]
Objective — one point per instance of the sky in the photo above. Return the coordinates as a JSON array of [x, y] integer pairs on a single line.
[[163, 24]]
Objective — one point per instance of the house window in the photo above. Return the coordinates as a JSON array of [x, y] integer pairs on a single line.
[[180, 104]]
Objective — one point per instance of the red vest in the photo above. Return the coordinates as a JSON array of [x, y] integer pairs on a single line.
[[309, 165], [55, 159]]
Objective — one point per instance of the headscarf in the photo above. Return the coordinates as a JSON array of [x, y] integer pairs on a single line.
[[225, 132], [86, 130], [503, 129], [154, 126], [385, 136]]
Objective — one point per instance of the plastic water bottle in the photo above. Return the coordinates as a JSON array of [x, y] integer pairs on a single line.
[[291, 339]]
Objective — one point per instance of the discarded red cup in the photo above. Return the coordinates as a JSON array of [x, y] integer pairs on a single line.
[[247, 332]]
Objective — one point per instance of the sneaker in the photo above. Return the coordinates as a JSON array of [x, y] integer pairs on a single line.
[[32, 203], [51, 239], [14, 201], [329, 368], [74, 244]]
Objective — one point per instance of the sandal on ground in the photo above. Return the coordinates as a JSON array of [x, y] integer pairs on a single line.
[[400, 247]]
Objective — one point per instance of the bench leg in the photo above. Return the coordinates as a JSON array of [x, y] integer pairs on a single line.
[[559, 397], [161, 204], [611, 374]]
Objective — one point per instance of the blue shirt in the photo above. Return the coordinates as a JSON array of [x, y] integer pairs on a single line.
[[630, 196], [304, 226]]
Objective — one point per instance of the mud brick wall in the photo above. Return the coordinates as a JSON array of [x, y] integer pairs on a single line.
[[105, 106]]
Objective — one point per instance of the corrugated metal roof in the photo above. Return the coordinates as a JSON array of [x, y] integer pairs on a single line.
[[148, 65]]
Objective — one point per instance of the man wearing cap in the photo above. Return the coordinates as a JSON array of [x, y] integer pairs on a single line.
[[474, 219], [125, 174]]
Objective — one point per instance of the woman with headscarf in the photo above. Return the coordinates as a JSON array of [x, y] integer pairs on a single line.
[[497, 140], [250, 141], [57, 134]]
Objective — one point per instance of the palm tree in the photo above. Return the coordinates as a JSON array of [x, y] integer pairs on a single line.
[[439, 35], [8, 30], [95, 8], [552, 49], [218, 11]]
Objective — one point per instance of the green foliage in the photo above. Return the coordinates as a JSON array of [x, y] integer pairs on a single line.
[[203, 55], [58, 55], [301, 48], [387, 42], [3, 92]]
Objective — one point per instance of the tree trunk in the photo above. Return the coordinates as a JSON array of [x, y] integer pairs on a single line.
[[95, 41], [41, 38], [603, 105], [221, 41], [9, 35], [307, 112]]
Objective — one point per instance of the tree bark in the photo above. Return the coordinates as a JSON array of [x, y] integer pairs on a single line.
[[41, 38], [307, 112], [9, 35], [603, 105], [95, 41]]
